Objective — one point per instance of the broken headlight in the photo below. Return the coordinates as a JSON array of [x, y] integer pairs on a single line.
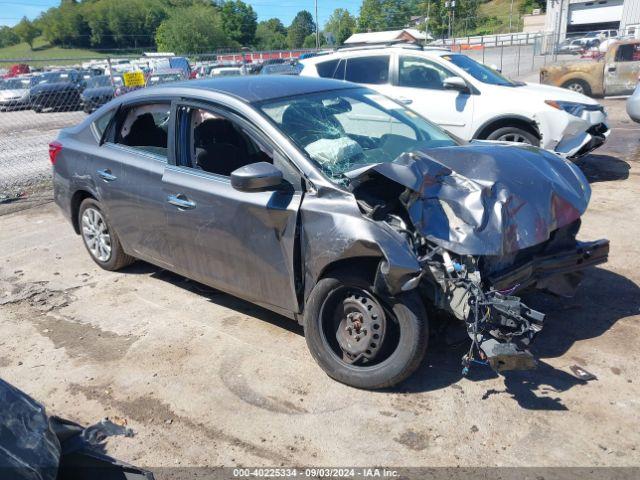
[[572, 108]]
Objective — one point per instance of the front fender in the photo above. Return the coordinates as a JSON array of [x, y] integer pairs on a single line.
[[333, 230]]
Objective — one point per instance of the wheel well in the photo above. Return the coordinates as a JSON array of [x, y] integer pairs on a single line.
[[522, 123], [76, 200], [366, 266]]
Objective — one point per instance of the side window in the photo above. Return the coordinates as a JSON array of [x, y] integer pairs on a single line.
[[418, 72], [102, 123], [628, 53], [215, 144], [326, 69], [145, 128], [371, 70]]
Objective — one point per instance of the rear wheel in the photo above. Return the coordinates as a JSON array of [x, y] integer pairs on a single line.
[[363, 340], [578, 86], [514, 134], [99, 239]]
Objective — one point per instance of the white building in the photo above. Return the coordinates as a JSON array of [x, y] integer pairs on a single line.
[[578, 16], [409, 35]]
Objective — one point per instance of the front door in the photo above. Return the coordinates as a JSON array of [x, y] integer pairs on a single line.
[[621, 69], [419, 84], [239, 242]]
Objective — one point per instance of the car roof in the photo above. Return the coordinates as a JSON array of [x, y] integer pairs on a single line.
[[357, 52], [256, 88]]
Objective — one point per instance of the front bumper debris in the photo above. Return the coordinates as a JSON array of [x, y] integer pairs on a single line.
[[501, 327], [570, 136]]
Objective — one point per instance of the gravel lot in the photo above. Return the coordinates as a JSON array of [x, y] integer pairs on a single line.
[[206, 379]]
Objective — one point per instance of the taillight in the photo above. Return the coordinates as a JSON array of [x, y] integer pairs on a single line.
[[54, 150]]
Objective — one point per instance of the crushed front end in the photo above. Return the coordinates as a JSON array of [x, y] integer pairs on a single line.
[[485, 223]]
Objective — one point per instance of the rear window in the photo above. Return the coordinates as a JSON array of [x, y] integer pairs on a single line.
[[326, 69], [371, 70]]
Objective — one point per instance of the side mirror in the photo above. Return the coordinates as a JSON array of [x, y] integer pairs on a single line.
[[256, 176], [455, 83]]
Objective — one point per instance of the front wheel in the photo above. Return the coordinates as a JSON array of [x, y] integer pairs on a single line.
[[363, 340], [514, 134]]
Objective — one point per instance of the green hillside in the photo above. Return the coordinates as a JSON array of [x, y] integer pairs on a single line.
[[46, 54]]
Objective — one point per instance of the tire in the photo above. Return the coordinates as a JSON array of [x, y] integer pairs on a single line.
[[37, 109], [514, 134], [116, 258], [578, 86], [398, 355]]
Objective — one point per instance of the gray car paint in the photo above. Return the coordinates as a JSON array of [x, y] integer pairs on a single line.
[[246, 243], [326, 208]]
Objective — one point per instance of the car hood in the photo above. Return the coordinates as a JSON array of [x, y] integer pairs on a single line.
[[53, 87], [16, 93], [549, 92], [486, 198], [97, 92]]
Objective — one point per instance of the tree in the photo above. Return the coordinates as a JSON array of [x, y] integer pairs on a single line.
[[379, 15], [301, 27], [309, 41], [239, 22], [65, 25], [196, 29], [341, 24], [26, 31], [271, 35], [8, 37]]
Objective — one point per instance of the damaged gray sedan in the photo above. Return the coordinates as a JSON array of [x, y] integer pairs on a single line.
[[335, 206]]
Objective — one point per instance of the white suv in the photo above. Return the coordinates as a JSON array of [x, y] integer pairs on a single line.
[[470, 99]]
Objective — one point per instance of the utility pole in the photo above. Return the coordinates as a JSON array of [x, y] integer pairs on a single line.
[[426, 23], [450, 5], [317, 31], [510, 15]]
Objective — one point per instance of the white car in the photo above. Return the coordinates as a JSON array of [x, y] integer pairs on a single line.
[[469, 99], [14, 92]]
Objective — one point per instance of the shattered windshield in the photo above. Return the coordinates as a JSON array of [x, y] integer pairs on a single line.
[[347, 129]]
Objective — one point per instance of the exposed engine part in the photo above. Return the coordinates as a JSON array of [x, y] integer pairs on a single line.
[[500, 326]]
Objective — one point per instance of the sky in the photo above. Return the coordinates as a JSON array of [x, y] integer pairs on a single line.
[[11, 11]]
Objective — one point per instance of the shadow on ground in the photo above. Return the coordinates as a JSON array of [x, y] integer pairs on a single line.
[[588, 315], [215, 296], [603, 168]]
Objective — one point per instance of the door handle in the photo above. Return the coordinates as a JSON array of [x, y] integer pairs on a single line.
[[611, 69], [106, 175], [180, 201], [404, 100]]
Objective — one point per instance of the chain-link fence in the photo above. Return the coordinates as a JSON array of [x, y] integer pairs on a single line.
[[58, 93]]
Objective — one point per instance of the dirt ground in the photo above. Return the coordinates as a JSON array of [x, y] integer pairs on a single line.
[[205, 379]]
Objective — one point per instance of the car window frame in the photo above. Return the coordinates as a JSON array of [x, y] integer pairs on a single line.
[[108, 138], [350, 58], [256, 134], [425, 59]]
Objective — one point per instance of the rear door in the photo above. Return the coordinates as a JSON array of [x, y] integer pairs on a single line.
[[128, 176], [621, 70], [240, 242]]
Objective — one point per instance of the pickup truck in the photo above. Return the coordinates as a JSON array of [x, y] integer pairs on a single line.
[[615, 74]]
